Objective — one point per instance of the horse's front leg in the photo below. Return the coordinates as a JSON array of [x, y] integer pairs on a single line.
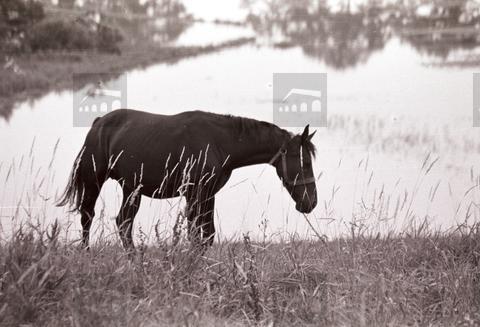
[[201, 229], [208, 226]]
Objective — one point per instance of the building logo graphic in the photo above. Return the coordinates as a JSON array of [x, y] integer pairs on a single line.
[[476, 99], [103, 94], [300, 99]]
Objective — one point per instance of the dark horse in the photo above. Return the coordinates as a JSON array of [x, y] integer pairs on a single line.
[[190, 154]]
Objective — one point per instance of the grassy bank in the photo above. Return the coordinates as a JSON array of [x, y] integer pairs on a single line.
[[26, 77], [419, 278]]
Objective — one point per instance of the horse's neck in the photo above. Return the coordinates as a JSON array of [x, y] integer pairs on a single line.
[[256, 146]]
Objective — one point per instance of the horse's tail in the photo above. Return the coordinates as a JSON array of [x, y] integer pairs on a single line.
[[73, 194]]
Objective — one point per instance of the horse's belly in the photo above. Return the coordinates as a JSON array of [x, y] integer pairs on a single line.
[[160, 192]]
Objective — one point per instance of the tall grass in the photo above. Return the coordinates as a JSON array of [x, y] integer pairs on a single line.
[[418, 278]]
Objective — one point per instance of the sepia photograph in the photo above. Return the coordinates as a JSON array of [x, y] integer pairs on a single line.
[[239, 163]]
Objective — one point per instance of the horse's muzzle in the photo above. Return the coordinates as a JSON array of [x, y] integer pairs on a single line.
[[306, 207]]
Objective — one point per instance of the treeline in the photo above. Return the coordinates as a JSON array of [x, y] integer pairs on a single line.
[[25, 28]]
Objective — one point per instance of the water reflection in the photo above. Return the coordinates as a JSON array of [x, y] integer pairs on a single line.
[[343, 37], [340, 36], [338, 33], [438, 29]]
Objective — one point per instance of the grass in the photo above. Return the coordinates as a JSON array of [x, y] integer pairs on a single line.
[[417, 278]]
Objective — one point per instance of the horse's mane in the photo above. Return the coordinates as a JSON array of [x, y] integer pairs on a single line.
[[247, 125], [244, 125]]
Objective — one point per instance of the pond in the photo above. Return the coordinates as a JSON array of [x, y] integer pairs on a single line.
[[400, 147]]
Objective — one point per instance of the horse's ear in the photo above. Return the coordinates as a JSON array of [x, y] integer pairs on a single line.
[[305, 133], [309, 138]]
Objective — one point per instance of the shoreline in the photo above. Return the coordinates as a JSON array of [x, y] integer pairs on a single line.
[[41, 73]]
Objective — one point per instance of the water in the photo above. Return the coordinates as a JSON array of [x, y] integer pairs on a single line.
[[211, 10], [202, 34], [389, 108]]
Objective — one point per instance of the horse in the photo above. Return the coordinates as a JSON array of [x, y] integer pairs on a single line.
[[190, 154]]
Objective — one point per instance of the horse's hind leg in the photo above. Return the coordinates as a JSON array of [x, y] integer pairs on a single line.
[[87, 211], [93, 177], [126, 216]]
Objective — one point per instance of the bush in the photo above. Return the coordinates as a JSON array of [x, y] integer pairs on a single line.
[[21, 12], [16, 16], [108, 38], [23, 27], [60, 34]]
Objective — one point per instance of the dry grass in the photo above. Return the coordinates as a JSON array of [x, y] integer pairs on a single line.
[[417, 278]]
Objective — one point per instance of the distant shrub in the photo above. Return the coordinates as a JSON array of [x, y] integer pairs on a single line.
[[78, 34], [60, 35], [21, 12], [108, 38], [16, 17]]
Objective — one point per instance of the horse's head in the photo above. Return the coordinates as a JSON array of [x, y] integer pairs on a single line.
[[293, 163]]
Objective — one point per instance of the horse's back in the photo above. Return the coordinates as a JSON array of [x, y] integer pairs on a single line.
[[189, 127], [121, 116], [124, 118]]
